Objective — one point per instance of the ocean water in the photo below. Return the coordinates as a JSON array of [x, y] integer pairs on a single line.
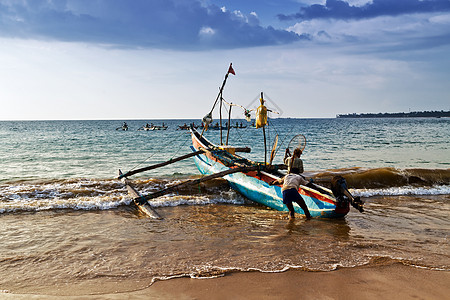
[[66, 220]]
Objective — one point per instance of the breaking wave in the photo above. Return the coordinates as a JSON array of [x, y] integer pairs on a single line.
[[103, 194], [385, 178], [400, 191], [91, 194]]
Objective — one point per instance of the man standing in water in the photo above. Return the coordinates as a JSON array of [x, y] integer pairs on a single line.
[[291, 183]]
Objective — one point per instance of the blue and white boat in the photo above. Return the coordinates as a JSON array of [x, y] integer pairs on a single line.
[[255, 186], [249, 178]]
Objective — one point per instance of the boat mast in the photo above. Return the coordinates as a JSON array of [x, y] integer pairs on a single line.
[[219, 96], [229, 123], [264, 133], [220, 118]]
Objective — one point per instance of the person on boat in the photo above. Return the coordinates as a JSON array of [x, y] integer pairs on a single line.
[[291, 183], [295, 165], [294, 162]]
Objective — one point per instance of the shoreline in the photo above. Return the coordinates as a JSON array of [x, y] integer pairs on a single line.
[[366, 282]]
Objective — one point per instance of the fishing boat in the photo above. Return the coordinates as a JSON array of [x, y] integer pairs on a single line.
[[252, 179], [152, 127], [239, 126], [124, 127], [255, 185], [187, 127], [158, 127]]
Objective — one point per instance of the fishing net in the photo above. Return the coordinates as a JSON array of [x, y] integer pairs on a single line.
[[298, 141]]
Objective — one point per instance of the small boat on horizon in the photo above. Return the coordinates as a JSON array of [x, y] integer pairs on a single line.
[[124, 127], [151, 127]]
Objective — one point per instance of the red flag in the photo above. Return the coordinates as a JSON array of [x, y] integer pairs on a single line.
[[230, 70]]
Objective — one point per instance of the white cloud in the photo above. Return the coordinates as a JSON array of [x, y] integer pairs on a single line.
[[381, 33], [359, 2], [322, 2], [443, 19], [207, 31], [238, 14]]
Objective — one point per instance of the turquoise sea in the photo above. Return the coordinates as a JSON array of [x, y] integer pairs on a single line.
[[66, 220]]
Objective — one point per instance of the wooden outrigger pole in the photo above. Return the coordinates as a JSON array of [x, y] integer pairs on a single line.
[[141, 201], [197, 181], [171, 161]]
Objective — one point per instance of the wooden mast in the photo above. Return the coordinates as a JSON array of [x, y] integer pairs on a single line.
[[229, 123], [264, 133], [219, 96], [220, 117]]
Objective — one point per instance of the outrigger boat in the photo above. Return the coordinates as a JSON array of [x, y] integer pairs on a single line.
[[254, 184], [249, 178]]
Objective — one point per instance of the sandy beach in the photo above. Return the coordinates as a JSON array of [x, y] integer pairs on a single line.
[[392, 281]]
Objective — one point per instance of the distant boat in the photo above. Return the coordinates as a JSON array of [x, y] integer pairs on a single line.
[[124, 127], [152, 127], [187, 127], [240, 126]]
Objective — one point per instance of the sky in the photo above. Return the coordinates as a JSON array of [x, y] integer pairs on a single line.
[[161, 59]]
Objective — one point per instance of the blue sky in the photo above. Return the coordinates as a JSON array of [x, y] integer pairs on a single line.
[[155, 59]]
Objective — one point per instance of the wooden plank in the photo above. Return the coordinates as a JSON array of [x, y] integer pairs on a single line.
[[138, 200]]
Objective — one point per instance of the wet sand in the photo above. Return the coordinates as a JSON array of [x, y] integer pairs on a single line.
[[393, 281]]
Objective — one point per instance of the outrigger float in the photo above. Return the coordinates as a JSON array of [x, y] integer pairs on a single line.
[[249, 178]]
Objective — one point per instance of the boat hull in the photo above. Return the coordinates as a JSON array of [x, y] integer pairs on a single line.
[[255, 186]]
